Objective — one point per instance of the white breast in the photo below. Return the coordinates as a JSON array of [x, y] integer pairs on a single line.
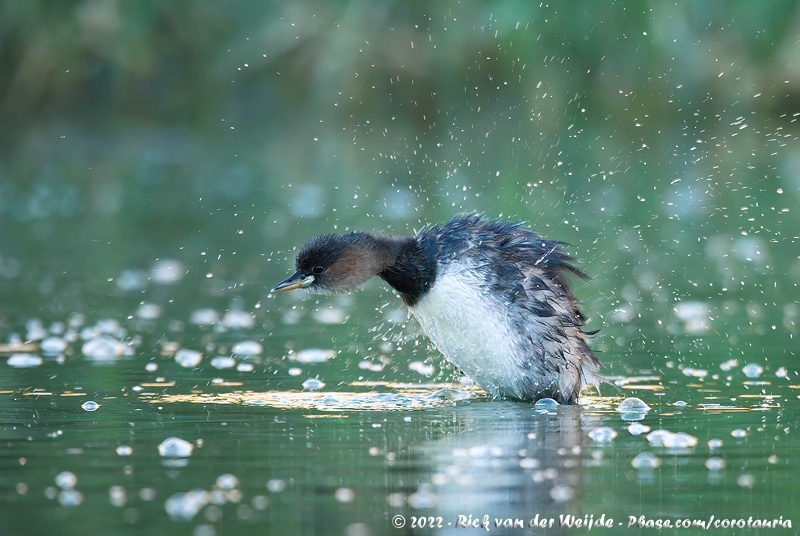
[[471, 328]]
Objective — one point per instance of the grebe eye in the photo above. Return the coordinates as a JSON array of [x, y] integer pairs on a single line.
[[319, 269]]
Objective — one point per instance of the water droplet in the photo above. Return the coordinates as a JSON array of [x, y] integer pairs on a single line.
[[313, 384], [204, 317], [235, 319], [23, 360], [330, 315], [714, 443], [227, 481], [175, 447], [546, 404], [679, 440], [752, 370], [184, 506], [148, 311], [167, 271], [70, 498], [188, 358], [344, 495], [656, 437], [103, 348], [66, 480], [124, 450], [633, 404], [223, 362], [90, 405], [53, 345], [646, 460], [247, 348], [117, 496], [603, 434], [276, 485], [638, 428], [313, 355]]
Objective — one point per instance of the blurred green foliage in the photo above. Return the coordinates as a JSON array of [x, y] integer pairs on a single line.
[[635, 130]]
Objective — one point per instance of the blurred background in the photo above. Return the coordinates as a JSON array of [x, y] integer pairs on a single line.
[[161, 162], [658, 140]]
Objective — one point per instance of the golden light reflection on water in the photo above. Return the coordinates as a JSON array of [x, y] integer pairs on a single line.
[[402, 396]]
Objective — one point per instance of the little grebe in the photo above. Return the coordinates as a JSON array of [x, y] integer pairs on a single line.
[[491, 295]]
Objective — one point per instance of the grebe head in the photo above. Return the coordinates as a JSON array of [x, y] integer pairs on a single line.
[[334, 263]]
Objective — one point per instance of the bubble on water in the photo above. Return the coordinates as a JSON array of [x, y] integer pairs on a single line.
[[66, 480], [561, 493], [167, 271], [638, 429], [148, 311], [679, 440], [728, 365], [746, 481], [344, 495], [244, 367], [204, 317], [236, 319], [151, 367], [313, 384], [633, 409], [782, 372], [247, 348], [313, 355], [656, 437], [276, 485], [90, 405], [633, 404], [23, 360], [603, 434], [646, 460], [680, 404], [175, 447], [103, 348], [188, 358], [54, 345], [185, 506], [223, 362], [330, 315], [529, 463], [739, 433], [752, 370], [715, 463], [714, 443], [227, 481], [295, 371], [124, 450], [546, 404]]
